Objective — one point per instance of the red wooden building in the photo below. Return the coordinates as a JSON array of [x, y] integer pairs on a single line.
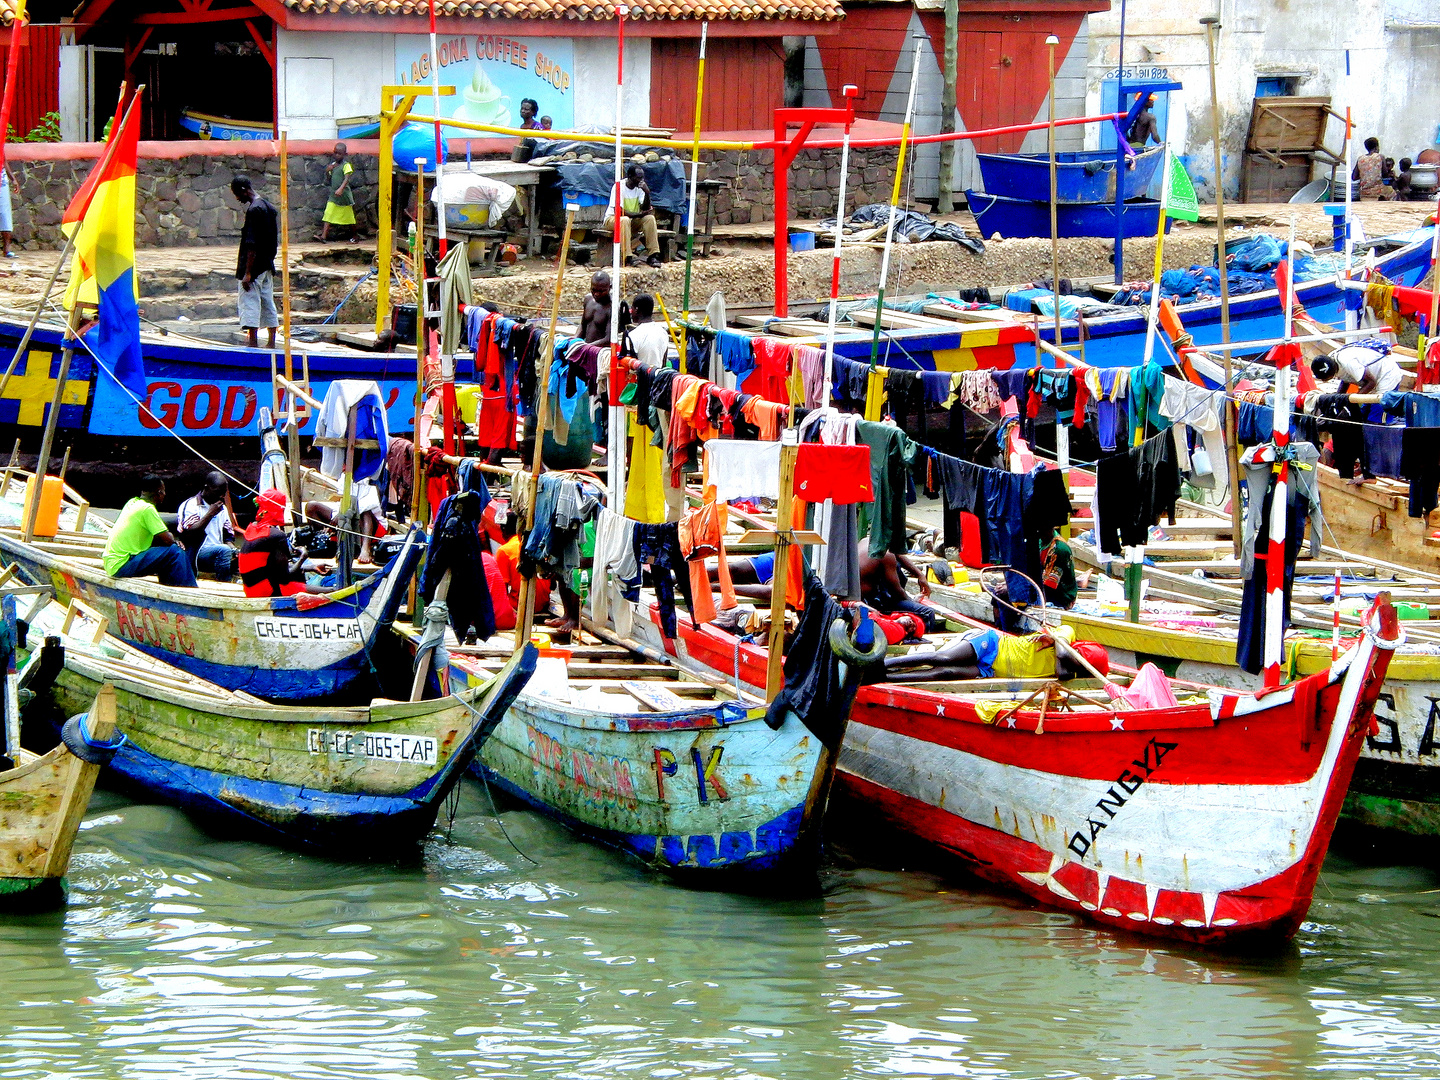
[[37, 83]]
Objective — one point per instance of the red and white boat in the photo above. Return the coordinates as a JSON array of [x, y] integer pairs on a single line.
[[1205, 822]]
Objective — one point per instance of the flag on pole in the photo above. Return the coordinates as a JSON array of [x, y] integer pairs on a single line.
[[101, 217], [1181, 201]]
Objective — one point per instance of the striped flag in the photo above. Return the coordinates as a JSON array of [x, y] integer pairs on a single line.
[[1180, 201], [101, 218]]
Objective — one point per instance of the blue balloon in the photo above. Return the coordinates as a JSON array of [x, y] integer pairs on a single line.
[[416, 141]]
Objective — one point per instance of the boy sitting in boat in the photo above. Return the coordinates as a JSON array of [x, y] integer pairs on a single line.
[[141, 545], [989, 654]]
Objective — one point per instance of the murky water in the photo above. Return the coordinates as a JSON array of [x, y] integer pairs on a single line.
[[184, 956]]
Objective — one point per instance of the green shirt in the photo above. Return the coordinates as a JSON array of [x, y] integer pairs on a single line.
[[138, 524], [332, 181]]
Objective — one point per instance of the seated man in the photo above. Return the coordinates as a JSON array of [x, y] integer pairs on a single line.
[[883, 589], [365, 498], [265, 567], [635, 209], [989, 654], [205, 528], [141, 545]]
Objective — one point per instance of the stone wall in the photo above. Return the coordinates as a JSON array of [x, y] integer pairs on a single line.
[[186, 200]]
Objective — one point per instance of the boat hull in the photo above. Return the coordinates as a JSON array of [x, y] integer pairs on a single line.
[[360, 783], [710, 793], [41, 805], [1024, 217], [283, 649], [197, 390], [1215, 841], [1373, 519], [1086, 176], [1119, 340]]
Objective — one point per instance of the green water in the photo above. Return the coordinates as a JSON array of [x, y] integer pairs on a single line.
[[185, 956]]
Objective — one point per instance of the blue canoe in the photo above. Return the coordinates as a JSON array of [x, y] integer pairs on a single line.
[[1086, 176], [1118, 340], [1023, 217], [209, 126], [194, 388]]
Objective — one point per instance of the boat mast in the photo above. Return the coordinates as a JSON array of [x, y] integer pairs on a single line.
[[1280, 437], [895, 201], [1050, 43], [1232, 445], [694, 192], [619, 428], [850, 93]]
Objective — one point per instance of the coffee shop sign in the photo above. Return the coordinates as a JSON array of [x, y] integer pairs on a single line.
[[492, 74]]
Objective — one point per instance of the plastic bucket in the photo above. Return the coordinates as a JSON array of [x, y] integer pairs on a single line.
[[802, 241]]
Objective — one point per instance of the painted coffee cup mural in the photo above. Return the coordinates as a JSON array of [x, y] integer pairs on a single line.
[[492, 75]]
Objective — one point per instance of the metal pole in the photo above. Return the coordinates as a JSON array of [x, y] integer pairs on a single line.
[[1120, 157], [849, 92], [1232, 445], [1352, 317], [439, 142], [1050, 43], [619, 420], [1275, 553], [694, 188], [421, 330], [1159, 259], [895, 200], [526, 620]]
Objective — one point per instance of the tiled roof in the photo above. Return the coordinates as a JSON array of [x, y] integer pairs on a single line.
[[813, 10]]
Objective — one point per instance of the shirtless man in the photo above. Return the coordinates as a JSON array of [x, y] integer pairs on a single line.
[[989, 654], [595, 323], [880, 584], [1145, 127]]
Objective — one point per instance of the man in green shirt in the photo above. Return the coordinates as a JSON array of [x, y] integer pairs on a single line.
[[141, 545]]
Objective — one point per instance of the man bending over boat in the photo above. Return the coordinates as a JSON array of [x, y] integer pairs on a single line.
[[141, 545], [264, 562], [989, 654]]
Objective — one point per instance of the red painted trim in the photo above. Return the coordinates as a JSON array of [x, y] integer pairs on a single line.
[[266, 50], [651, 28], [194, 18]]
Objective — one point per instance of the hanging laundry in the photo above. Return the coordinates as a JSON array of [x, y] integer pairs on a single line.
[[658, 546], [978, 392], [1384, 446], [1132, 490], [892, 453], [1254, 609], [455, 549], [905, 391], [1147, 390], [1420, 464], [702, 536], [616, 573], [768, 417], [1199, 409], [743, 470], [737, 354], [772, 377], [1347, 435], [1110, 387], [819, 688], [1304, 484], [811, 363], [439, 479], [644, 490]]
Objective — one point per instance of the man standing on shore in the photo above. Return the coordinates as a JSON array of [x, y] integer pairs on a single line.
[[255, 267]]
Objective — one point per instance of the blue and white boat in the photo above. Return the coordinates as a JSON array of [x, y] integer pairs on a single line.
[[1084, 176]]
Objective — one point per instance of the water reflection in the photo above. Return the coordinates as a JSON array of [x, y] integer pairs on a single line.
[[185, 956]]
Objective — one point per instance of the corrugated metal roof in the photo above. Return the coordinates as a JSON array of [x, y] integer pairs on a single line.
[[813, 10]]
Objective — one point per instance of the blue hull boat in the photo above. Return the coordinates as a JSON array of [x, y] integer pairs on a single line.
[[1086, 176], [1012, 218], [1119, 340]]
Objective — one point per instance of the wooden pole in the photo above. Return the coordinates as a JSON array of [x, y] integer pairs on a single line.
[[52, 420], [1232, 443], [849, 93], [949, 58], [441, 243], [694, 190], [1431, 335], [618, 427], [780, 575], [1050, 43], [1120, 155], [292, 436], [39, 310], [895, 201], [526, 621], [384, 212], [417, 497]]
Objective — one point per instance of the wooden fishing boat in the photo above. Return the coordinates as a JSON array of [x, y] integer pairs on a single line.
[[996, 214], [363, 782], [1164, 821], [209, 126], [1083, 176], [683, 774], [1372, 519], [282, 648], [42, 802]]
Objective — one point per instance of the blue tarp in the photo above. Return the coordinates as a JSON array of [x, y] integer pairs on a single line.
[[597, 179]]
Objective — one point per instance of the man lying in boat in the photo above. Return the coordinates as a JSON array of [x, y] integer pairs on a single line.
[[140, 545], [990, 654], [881, 585]]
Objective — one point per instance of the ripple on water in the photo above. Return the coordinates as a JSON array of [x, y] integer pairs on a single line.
[[184, 955]]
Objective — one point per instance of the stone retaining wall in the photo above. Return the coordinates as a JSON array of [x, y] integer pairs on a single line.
[[186, 200]]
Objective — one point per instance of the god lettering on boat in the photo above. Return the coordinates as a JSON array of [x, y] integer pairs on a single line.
[[1109, 804]]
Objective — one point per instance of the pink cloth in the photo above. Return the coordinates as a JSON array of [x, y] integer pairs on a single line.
[[1150, 690]]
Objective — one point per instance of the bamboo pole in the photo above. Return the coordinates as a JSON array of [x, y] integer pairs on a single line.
[[1232, 415], [849, 92], [417, 497], [694, 190], [895, 200], [526, 621], [1050, 43]]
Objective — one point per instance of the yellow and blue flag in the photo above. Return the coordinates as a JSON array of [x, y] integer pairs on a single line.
[[101, 217]]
